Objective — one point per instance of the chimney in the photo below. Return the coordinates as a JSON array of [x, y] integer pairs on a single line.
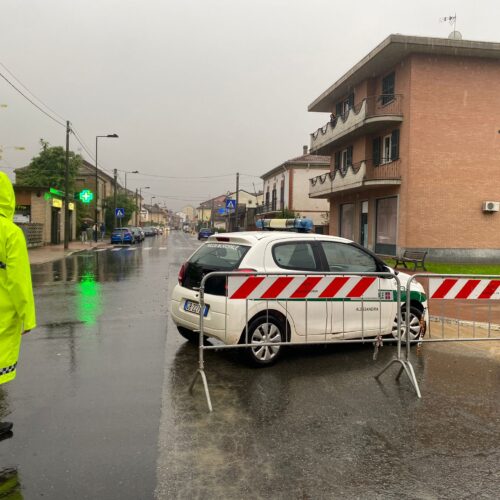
[[304, 150]]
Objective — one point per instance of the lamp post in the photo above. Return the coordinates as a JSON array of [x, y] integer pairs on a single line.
[[109, 136], [152, 198], [131, 172], [140, 203]]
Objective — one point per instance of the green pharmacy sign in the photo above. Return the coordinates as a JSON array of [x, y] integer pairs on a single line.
[[86, 196]]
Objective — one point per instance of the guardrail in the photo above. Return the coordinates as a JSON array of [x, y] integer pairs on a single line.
[[314, 308]]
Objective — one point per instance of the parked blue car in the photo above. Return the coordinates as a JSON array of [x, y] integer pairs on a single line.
[[122, 235], [205, 233]]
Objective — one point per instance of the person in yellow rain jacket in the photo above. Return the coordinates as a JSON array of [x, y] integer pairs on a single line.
[[17, 306]]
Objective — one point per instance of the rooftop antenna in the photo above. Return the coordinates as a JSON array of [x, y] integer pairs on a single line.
[[454, 35]]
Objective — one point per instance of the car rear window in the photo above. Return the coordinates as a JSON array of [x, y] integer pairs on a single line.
[[224, 256], [212, 257]]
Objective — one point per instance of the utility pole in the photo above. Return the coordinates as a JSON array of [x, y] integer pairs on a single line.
[[212, 216], [136, 207], [237, 224], [115, 172], [66, 190]]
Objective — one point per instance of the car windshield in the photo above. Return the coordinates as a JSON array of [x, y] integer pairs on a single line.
[[121, 230]]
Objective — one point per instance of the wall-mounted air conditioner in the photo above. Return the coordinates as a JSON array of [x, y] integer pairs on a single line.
[[491, 206]]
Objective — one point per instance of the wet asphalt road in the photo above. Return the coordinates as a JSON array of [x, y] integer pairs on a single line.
[[101, 407]]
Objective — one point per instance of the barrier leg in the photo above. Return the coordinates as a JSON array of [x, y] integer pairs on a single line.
[[413, 379], [201, 373]]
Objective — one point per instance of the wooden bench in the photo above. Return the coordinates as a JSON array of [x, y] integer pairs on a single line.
[[416, 257]]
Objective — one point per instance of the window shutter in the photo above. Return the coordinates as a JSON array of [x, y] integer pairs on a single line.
[[337, 160], [338, 109], [349, 155], [350, 100], [376, 150], [395, 145]]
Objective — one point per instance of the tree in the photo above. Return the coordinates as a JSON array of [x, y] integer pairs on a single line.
[[49, 167], [285, 213], [122, 201]]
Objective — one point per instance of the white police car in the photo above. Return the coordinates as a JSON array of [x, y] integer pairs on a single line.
[[286, 320]]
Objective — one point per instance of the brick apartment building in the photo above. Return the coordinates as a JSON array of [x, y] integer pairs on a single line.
[[414, 144]]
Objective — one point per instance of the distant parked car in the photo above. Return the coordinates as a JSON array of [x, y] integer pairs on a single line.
[[149, 231], [138, 234], [205, 233], [122, 235]]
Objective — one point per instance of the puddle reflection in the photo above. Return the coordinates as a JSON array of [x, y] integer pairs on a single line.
[[10, 485]]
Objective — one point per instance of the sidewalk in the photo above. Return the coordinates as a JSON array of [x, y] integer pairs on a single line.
[[49, 253]]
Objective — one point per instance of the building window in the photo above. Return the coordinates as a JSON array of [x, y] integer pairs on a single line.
[[282, 195], [347, 221], [267, 199], [386, 226], [386, 149], [273, 199], [343, 159], [343, 107], [388, 85]]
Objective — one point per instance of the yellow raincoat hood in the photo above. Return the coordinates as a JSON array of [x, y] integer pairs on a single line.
[[7, 198], [17, 307]]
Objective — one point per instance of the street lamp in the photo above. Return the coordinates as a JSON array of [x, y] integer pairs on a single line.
[[108, 136], [131, 172], [152, 198], [140, 202]]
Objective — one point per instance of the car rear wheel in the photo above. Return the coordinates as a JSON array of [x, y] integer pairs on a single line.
[[264, 330], [415, 317]]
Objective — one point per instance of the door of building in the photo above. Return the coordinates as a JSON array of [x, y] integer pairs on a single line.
[[55, 224], [386, 226], [363, 237]]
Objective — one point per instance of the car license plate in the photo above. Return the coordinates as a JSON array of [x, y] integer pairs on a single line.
[[194, 307]]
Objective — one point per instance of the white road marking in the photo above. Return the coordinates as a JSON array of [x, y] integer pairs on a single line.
[[147, 248], [131, 249], [100, 249], [162, 248], [115, 249]]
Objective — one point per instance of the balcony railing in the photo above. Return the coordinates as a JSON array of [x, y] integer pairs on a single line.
[[355, 176], [385, 105]]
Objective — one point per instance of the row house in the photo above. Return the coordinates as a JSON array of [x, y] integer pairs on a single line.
[[414, 149], [286, 189]]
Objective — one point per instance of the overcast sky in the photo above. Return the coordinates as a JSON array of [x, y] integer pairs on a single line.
[[195, 87]]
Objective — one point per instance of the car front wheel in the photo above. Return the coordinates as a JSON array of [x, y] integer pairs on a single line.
[[415, 317], [264, 330]]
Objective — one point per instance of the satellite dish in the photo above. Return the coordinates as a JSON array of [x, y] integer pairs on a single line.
[[455, 35]]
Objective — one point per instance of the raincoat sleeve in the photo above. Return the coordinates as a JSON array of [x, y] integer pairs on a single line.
[[18, 281]]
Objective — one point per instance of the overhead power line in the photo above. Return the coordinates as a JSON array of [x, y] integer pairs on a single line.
[[31, 101], [30, 92]]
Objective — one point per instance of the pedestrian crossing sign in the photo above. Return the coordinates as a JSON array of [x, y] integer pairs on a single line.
[[230, 204], [119, 213]]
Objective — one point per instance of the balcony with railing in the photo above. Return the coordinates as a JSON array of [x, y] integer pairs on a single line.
[[357, 176], [365, 117]]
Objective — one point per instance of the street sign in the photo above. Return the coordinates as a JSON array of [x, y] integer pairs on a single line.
[[222, 211], [230, 204], [86, 196], [119, 213], [56, 191]]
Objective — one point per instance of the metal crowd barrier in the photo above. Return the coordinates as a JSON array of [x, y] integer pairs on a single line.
[[461, 309], [272, 288]]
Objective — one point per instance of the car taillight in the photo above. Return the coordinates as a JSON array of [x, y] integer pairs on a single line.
[[182, 273]]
